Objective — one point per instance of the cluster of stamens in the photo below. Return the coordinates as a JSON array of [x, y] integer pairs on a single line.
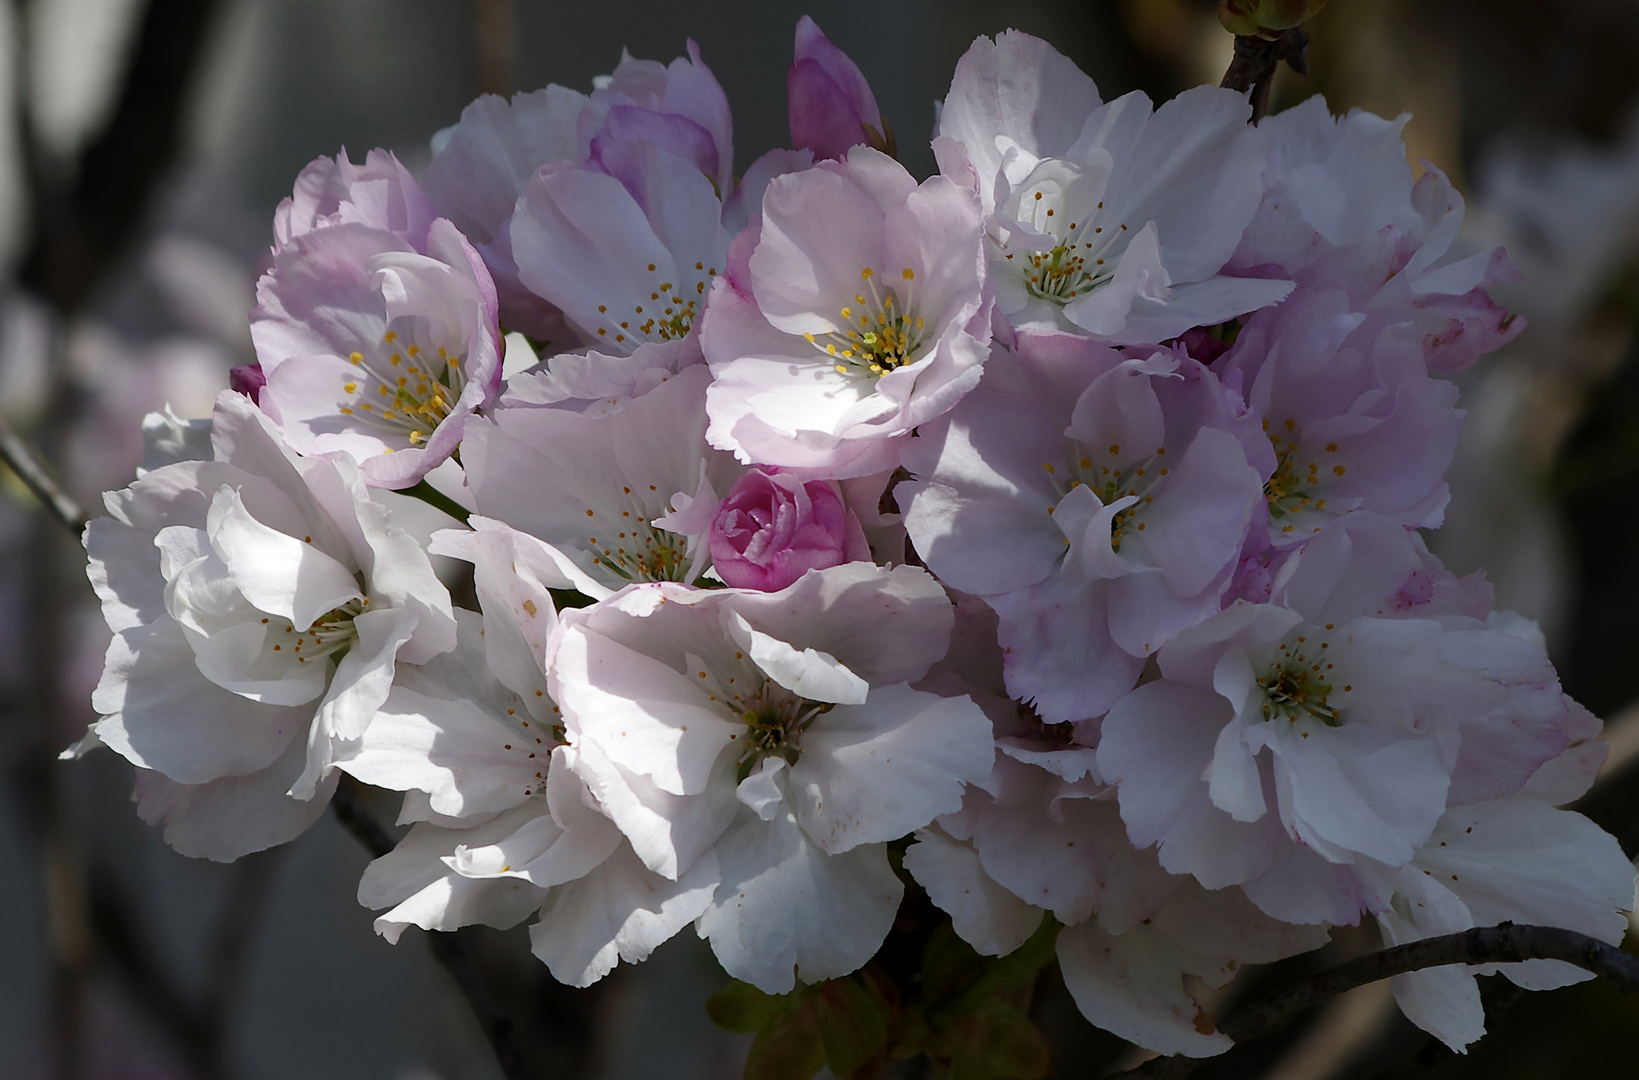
[[536, 740], [1111, 482], [1291, 489], [668, 316], [402, 388], [774, 717], [881, 332], [1076, 265], [1297, 685], [633, 548], [331, 634]]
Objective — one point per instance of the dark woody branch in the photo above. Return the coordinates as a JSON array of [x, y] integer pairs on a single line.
[[1504, 944], [449, 949]]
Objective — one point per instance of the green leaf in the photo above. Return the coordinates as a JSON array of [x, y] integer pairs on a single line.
[[790, 1046], [1014, 969], [853, 1022], [744, 1008], [997, 1043], [949, 965]]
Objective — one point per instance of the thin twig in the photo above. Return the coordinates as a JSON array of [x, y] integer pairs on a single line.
[[23, 461], [1505, 944], [449, 949]]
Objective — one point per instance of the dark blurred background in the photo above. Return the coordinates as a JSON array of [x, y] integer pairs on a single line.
[[143, 147]]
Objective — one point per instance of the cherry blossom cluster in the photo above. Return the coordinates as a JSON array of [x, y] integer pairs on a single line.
[[736, 549]]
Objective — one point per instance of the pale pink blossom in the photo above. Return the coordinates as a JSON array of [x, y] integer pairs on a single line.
[[602, 488], [857, 311], [260, 602], [380, 194], [1098, 503], [503, 826], [377, 348], [1342, 212], [1288, 743], [775, 731], [1355, 421], [1106, 219]]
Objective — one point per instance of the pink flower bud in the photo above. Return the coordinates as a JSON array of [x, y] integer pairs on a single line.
[[773, 528], [248, 379], [830, 104]]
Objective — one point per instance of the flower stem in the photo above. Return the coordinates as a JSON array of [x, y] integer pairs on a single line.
[[1253, 67]]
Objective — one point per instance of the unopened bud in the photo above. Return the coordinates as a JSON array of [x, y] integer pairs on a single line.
[[1265, 18], [831, 105]]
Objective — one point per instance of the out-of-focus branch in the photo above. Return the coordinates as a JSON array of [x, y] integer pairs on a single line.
[[23, 461], [1504, 944], [1255, 60], [492, 26], [80, 226], [355, 817], [449, 949]]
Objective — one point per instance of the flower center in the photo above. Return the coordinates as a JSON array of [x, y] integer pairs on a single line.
[[775, 718], [1292, 488], [331, 634], [402, 388], [1078, 263], [1110, 480], [883, 332], [1298, 684], [631, 547], [667, 316]]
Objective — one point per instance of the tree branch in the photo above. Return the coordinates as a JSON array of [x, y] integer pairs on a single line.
[[1504, 944], [1253, 67], [449, 949], [23, 461]]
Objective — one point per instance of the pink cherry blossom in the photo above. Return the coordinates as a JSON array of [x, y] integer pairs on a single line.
[[260, 602], [1342, 212], [1286, 744], [381, 193], [776, 731], [1098, 503], [858, 311], [1106, 219], [377, 348], [1355, 421]]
